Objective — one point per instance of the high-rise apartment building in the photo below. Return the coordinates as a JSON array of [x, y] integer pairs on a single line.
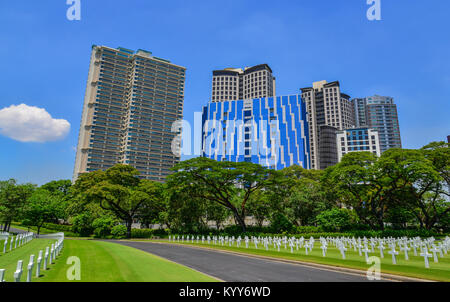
[[236, 84], [272, 132], [132, 100], [358, 140], [326, 105], [379, 113]]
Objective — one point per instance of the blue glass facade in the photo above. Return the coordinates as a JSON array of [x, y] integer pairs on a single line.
[[272, 132]]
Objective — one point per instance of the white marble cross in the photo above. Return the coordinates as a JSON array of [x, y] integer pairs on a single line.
[[4, 246], [324, 249], [414, 246], [381, 248], [30, 268], [291, 245], [18, 272], [393, 252], [342, 249], [426, 255], [435, 250], [46, 258], [52, 250], [38, 264], [366, 251], [405, 249]]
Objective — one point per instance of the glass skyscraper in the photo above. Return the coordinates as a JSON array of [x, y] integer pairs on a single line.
[[271, 131], [379, 113], [132, 100]]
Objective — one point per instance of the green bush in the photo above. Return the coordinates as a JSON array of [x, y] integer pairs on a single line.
[[103, 226], [58, 227], [281, 224], [334, 220], [82, 224], [119, 231], [142, 233], [308, 229]]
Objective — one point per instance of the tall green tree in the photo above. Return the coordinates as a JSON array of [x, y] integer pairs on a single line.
[[117, 190], [419, 179], [13, 198], [360, 184], [41, 207], [220, 182]]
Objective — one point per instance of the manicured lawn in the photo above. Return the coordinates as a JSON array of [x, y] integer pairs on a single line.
[[111, 262], [9, 260], [413, 268]]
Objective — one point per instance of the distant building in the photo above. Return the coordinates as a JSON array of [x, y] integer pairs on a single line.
[[132, 99], [358, 140], [379, 113], [272, 131], [448, 139], [236, 84], [327, 146], [326, 106]]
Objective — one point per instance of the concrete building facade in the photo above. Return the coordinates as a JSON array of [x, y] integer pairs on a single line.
[[237, 84], [357, 140], [326, 106], [132, 100]]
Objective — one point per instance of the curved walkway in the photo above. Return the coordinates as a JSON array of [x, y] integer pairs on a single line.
[[236, 268]]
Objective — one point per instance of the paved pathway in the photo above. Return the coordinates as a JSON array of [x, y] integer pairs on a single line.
[[231, 267]]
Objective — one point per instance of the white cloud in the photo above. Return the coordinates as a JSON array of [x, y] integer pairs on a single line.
[[31, 124]]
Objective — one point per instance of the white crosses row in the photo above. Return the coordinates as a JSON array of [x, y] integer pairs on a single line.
[[366, 246], [49, 258], [16, 242]]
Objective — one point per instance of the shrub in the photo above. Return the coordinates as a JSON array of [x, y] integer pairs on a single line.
[[119, 231], [82, 224], [308, 229], [103, 226], [142, 233], [281, 224], [334, 220], [57, 227]]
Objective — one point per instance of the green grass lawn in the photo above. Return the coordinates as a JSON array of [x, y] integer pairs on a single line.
[[9, 260], [111, 262], [415, 267]]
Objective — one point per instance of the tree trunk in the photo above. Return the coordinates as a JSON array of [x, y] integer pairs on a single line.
[[240, 221], [128, 224]]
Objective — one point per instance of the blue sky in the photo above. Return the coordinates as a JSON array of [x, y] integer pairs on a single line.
[[44, 58]]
